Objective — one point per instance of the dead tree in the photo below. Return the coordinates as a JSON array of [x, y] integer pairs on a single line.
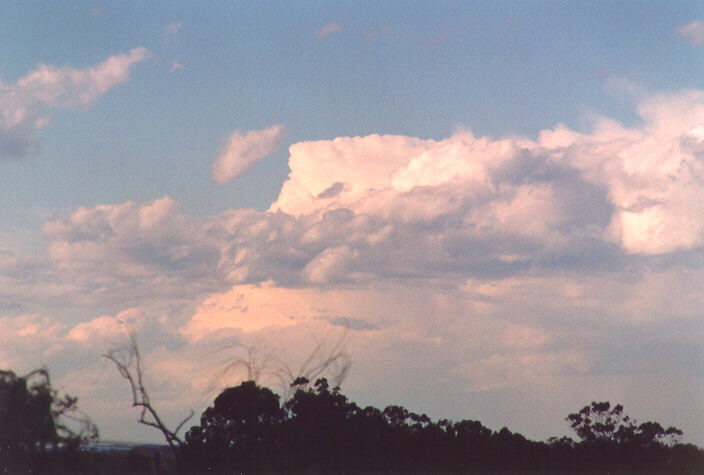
[[128, 361]]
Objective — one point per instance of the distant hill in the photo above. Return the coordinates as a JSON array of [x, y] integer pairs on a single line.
[[121, 446]]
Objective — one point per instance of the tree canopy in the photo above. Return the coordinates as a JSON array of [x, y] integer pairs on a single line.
[[320, 430], [34, 416]]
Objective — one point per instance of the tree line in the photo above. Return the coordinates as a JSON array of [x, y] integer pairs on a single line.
[[318, 429]]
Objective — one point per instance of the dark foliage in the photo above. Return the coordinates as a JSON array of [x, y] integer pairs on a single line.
[[243, 424], [320, 431], [36, 420]]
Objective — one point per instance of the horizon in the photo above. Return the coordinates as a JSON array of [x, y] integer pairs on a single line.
[[499, 202]]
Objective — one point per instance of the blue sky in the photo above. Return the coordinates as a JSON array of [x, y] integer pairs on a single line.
[[496, 67], [528, 171]]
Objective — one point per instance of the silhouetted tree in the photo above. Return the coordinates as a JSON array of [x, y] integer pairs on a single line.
[[34, 416], [319, 430], [610, 440], [599, 422], [240, 429]]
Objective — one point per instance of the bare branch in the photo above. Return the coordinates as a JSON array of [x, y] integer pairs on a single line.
[[128, 361], [256, 361], [329, 357]]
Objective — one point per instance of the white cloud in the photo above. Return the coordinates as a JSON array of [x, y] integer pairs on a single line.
[[330, 28], [646, 182], [692, 32], [358, 210], [365, 209], [51, 87], [243, 149], [567, 265]]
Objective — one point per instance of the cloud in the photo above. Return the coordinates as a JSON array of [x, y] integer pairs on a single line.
[[555, 267], [104, 329], [243, 149], [30, 341], [359, 210], [330, 28], [250, 308], [171, 31], [692, 32], [500, 371], [635, 187], [51, 87], [175, 66]]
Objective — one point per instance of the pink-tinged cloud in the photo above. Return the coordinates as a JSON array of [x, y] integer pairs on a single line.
[[51, 87], [172, 29], [651, 176], [550, 266], [66, 87], [365, 209], [243, 149], [250, 308], [102, 330], [357, 210], [692, 32], [25, 337], [330, 28]]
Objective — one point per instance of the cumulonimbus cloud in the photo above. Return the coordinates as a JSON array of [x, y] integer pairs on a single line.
[[243, 149], [638, 187], [51, 87], [364, 209], [475, 263]]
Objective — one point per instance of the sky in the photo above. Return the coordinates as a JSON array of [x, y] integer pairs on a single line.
[[498, 203]]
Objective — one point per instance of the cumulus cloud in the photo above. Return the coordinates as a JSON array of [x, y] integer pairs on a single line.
[[243, 149], [475, 264], [365, 209], [330, 28], [636, 187], [51, 87], [357, 210], [692, 32], [106, 328]]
